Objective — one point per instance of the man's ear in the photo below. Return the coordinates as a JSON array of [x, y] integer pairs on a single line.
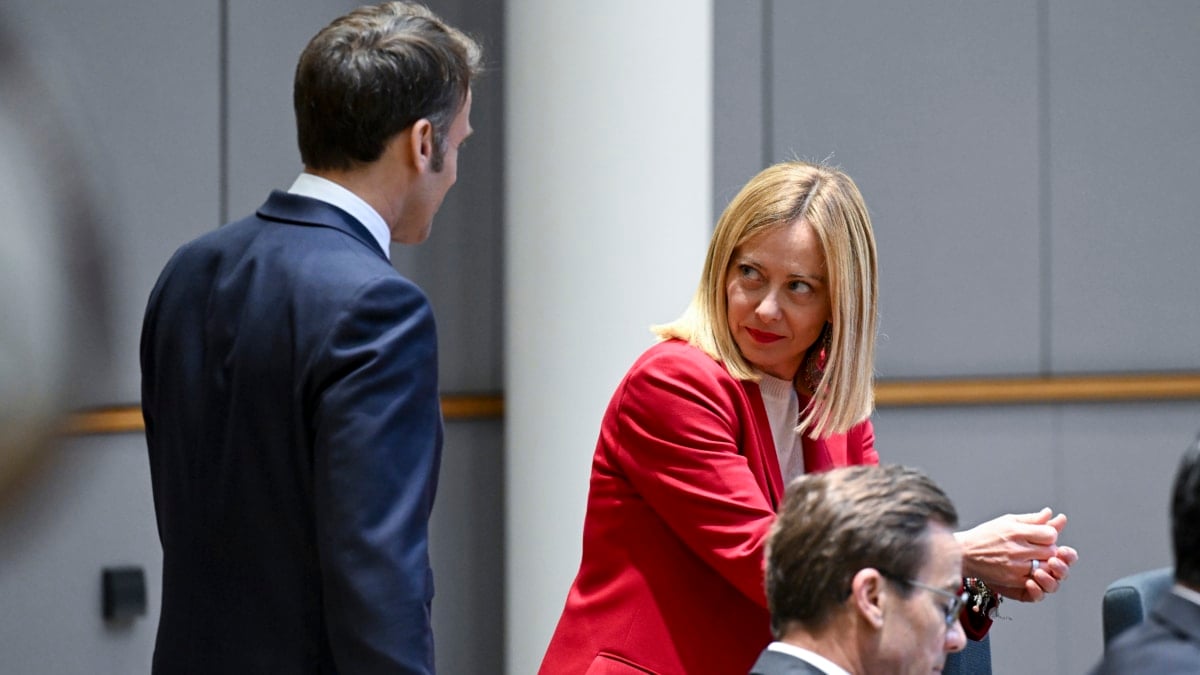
[[420, 141], [867, 594]]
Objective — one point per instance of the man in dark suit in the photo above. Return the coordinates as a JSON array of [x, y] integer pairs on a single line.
[[864, 575], [1168, 642], [289, 377]]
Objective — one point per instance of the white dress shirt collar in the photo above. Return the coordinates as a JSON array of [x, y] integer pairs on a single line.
[[822, 663], [1186, 593], [325, 190]]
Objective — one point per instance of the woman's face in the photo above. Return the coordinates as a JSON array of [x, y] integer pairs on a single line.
[[777, 293]]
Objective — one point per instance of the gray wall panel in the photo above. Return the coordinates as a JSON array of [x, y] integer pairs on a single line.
[[265, 39], [739, 122], [1120, 462], [993, 461], [981, 456], [466, 543], [1124, 101], [932, 109], [140, 78], [91, 509]]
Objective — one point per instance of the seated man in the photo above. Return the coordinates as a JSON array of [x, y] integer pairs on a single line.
[[1168, 641], [863, 575]]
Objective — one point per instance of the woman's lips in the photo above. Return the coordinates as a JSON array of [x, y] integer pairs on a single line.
[[763, 337]]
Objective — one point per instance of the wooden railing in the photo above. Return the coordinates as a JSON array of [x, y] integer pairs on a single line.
[[888, 393], [123, 419], [1057, 389]]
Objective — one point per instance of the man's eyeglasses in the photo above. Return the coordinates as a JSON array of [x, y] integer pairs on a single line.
[[957, 600]]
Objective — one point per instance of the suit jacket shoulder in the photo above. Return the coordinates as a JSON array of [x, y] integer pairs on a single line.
[[1167, 643], [675, 391]]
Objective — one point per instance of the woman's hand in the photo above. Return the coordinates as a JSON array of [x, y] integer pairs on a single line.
[[1000, 552], [1045, 579]]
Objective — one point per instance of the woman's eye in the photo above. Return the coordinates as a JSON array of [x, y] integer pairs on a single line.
[[748, 271], [800, 287]]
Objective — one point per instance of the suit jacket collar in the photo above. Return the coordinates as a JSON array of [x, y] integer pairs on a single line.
[[299, 210], [1179, 615]]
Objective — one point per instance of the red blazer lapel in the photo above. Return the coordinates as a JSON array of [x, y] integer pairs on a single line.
[[762, 453]]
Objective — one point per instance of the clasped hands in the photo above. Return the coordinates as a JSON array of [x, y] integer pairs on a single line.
[[1000, 552]]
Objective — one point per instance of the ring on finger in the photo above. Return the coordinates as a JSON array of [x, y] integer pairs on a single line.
[[1033, 566]]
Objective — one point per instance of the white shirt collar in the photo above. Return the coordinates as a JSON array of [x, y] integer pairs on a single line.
[[1185, 592], [824, 664], [323, 189], [774, 387]]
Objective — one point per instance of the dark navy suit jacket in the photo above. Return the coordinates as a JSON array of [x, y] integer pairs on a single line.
[[1166, 643], [289, 387]]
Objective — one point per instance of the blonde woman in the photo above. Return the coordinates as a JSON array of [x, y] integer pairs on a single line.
[[766, 376]]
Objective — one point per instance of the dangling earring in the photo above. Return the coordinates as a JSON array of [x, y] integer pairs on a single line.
[[817, 357]]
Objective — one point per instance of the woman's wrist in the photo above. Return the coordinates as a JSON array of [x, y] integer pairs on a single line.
[[965, 540]]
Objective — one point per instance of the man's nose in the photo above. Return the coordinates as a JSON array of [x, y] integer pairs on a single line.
[[956, 638]]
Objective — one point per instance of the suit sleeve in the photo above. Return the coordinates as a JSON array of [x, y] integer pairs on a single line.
[[378, 434], [678, 436]]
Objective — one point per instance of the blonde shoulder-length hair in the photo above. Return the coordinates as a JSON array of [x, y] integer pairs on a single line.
[[829, 201]]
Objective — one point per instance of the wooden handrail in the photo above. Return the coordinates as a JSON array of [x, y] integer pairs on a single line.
[[1057, 389], [128, 419], [888, 393]]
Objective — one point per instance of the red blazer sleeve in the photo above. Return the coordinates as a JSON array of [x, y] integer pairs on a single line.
[[855, 447], [975, 624], [680, 427], [860, 444]]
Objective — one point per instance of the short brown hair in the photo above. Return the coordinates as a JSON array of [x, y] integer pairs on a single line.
[[374, 72], [833, 524], [1185, 517]]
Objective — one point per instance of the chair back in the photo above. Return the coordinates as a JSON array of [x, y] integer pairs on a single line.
[[1128, 600], [974, 659]]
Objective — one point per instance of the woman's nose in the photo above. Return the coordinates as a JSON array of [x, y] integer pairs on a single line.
[[768, 308]]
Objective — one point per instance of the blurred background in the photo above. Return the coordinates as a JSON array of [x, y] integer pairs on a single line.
[[1029, 167]]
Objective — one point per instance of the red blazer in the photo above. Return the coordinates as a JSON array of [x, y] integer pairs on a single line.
[[685, 484]]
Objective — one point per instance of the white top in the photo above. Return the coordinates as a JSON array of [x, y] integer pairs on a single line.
[[820, 662], [783, 411], [323, 189]]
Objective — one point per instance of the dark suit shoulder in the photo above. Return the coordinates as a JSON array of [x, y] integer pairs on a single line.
[[1168, 642], [298, 218]]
